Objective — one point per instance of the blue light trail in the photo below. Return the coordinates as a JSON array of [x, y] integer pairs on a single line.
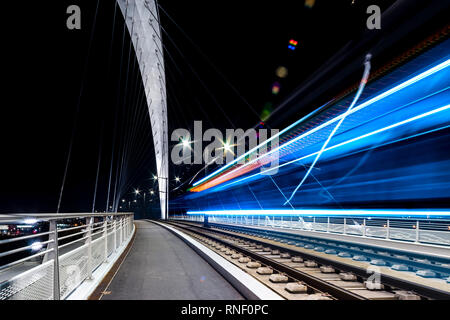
[[444, 108], [329, 213], [379, 97]]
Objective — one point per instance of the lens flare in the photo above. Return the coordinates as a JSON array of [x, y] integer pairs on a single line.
[[282, 72], [310, 3], [276, 88]]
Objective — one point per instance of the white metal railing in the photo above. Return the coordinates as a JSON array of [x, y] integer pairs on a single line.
[[435, 232], [50, 264]]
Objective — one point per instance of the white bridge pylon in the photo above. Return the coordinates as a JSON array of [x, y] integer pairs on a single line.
[[142, 20]]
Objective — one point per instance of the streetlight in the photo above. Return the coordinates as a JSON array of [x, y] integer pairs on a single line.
[[185, 143], [137, 192], [36, 246], [227, 146], [177, 179], [30, 221]]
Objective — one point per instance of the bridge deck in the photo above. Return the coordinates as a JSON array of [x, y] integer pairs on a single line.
[[160, 266]]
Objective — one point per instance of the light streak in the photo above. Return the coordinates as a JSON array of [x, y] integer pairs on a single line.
[[383, 95], [328, 213], [260, 145], [432, 112], [355, 100]]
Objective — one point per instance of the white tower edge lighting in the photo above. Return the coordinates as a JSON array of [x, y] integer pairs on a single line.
[[142, 20]]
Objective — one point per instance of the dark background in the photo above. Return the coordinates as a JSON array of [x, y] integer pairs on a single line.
[[55, 79]]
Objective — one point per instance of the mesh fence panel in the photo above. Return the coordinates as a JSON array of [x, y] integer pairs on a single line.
[[402, 234], [110, 242], [35, 284], [73, 269], [98, 252], [435, 237], [337, 228], [320, 227]]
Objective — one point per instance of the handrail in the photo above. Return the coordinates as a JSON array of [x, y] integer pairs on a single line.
[[60, 216], [24, 238], [9, 265], [435, 232], [7, 253], [69, 267]]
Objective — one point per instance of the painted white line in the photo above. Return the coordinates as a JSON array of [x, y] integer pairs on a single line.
[[249, 286]]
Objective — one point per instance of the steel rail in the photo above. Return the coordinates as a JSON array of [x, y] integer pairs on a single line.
[[14, 263], [25, 237], [7, 253], [422, 290], [311, 281]]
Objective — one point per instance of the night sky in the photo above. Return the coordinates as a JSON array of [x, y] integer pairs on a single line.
[[46, 67]]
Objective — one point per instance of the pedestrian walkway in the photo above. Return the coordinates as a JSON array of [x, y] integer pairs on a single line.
[[160, 266]]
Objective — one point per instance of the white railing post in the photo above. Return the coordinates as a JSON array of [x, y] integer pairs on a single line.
[[388, 231], [55, 255], [121, 231], [105, 234], [417, 231], [115, 234], [127, 229], [364, 228], [89, 222], [345, 225], [328, 224]]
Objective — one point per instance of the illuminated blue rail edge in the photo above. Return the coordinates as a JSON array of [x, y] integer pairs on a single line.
[[427, 214]]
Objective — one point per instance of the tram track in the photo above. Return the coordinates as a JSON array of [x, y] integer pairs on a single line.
[[292, 276], [322, 277]]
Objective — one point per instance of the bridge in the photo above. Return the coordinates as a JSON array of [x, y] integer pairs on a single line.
[[347, 202]]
